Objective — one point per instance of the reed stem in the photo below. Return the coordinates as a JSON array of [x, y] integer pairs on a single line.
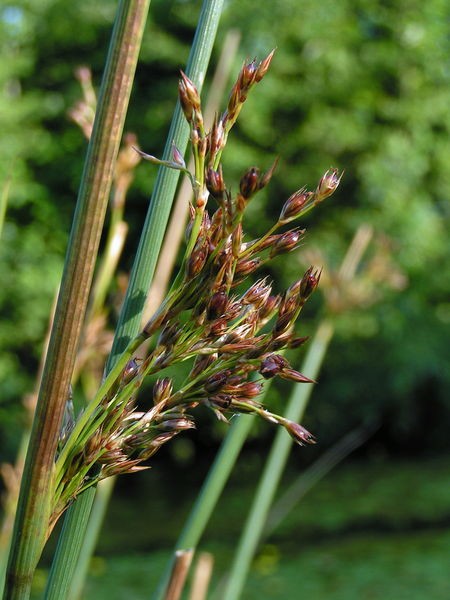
[[31, 525], [140, 280]]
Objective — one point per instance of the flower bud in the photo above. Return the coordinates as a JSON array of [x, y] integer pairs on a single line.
[[162, 390], [247, 75], [130, 370], [272, 365], [236, 240], [300, 435], [327, 184], [245, 267], [177, 157], [189, 97], [309, 282], [263, 66], [178, 423], [249, 183], [286, 242], [216, 137], [198, 258], [216, 381], [257, 294], [217, 305], [294, 204], [215, 183]]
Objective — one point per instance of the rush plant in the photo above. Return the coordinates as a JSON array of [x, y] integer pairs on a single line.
[[233, 334], [231, 331]]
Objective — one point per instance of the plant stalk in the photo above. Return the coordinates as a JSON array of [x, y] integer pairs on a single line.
[[140, 280], [31, 525], [210, 493], [281, 447], [274, 466]]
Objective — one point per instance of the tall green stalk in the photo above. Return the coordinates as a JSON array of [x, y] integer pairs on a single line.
[[274, 466], [281, 447], [165, 187], [140, 279], [31, 525], [210, 493], [105, 489]]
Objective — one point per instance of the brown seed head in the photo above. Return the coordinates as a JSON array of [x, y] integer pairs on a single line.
[[293, 375], [283, 325], [257, 294], [294, 205], [216, 381], [220, 401], [290, 300], [219, 327], [189, 97], [300, 435], [198, 257], [170, 334], [162, 390], [297, 342], [217, 305], [238, 346], [287, 242], [216, 138], [202, 362], [269, 307], [272, 365], [215, 183], [263, 66], [249, 183], [250, 389], [327, 184], [267, 176], [245, 267], [309, 282]]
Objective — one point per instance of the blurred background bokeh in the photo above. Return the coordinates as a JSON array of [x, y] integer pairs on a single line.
[[360, 85]]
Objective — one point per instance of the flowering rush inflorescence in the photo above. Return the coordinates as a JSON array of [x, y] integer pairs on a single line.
[[233, 338]]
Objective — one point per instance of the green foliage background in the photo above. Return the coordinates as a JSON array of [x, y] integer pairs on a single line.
[[363, 86]]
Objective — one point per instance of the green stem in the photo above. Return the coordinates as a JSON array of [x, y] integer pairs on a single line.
[[275, 465], [165, 186], [88, 543], [140, 280], [210, 493], [31, 527], [100, 163]]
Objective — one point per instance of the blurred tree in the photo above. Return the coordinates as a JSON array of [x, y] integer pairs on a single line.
[[358, 85]]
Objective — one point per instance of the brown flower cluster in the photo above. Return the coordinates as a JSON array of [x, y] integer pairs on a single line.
[[233, 335]]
